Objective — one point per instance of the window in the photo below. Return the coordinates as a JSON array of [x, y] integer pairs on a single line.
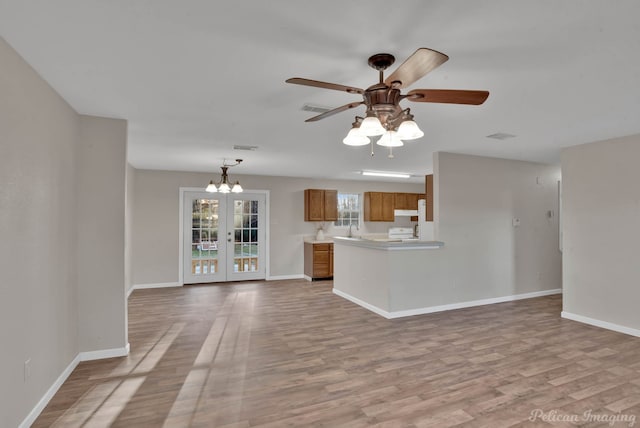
[[348, 209]]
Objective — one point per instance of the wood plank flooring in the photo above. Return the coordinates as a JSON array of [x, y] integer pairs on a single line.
[[290, 353]]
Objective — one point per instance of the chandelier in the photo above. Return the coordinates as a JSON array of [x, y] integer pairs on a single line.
[[223, 185]]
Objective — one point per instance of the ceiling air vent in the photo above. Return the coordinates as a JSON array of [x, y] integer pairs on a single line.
[[315, 108], [246, 148], [500, 136]]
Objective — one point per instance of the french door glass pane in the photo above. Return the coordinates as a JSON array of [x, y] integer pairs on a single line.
[[204, 236], [245, 221]]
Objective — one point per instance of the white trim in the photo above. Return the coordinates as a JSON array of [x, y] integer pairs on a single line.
[[35, 412], [448, 307], [104, 353], [283, 277], [602, 324], [157, 285], [365, 305], [53, 389], [308, 278]]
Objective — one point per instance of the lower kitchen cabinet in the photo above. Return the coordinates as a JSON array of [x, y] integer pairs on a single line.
[[318, 260]]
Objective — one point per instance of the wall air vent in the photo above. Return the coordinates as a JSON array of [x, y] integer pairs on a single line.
[[315, 108], [247, 148], [501, 136]]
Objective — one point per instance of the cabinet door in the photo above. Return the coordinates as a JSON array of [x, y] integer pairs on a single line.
[[429, 196], [402, 201], [330, 259], [314, 205], [388, 202], [321, 260], [379, 206], [372, 206], [330, 205]]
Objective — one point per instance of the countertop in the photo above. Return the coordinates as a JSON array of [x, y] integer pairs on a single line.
[[387, 244], [313, 240]]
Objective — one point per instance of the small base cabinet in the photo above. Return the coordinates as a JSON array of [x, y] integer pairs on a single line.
[[318, 260]]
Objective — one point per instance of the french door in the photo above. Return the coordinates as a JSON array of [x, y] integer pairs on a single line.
[[224, 237]]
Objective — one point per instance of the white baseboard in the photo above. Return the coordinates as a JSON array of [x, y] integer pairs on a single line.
[[448, 307], [283, 277], [602, 324], [307, 277], [104, 353], [157, 285], [35, 412], [359, 302], [82, 356]]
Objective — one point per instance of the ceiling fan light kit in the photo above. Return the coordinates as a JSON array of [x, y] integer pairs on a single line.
[[384, 116], [223, 186]]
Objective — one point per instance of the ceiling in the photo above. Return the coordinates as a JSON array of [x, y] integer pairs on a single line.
[[196, 77]]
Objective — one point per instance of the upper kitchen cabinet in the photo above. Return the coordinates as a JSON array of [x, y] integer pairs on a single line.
[[379, 206], [428, 190], [407, 201], [320, 205]]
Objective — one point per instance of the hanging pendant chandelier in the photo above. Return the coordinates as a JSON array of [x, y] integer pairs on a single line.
[[224, 186]]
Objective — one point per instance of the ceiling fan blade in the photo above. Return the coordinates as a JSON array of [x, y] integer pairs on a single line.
[[325, 85], [450, 96], [416, 66], [334, 111]]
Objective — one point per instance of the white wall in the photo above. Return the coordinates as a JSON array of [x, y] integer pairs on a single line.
[[475, 200], [61, 190], [101, 234], [601, 233], [156, 224], [38, 305]]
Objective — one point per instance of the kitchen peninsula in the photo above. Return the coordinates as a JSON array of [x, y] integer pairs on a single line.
[[393, 278]]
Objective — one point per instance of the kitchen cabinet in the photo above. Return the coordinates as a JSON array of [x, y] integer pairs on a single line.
[[407, 201], [428, 190], [318, 260], [320, 205], [379, 206]]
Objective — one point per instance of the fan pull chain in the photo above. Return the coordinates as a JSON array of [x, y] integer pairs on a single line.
[[372, 153], [390, 153]]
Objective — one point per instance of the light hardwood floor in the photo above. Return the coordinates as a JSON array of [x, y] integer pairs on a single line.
[[290, 353]]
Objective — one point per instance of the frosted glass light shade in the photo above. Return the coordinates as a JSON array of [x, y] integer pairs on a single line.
[[224, 188], [237, 188], [211, 188], [390, 139], [371, 126], [355, 137], [409, 130]]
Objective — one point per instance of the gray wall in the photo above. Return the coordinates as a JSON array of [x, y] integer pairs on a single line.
[[38, 302], [475, 200], [601, 231], [156, 224], [43, 143], [101, 233]]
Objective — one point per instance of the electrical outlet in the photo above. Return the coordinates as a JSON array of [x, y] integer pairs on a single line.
[[27, 369]]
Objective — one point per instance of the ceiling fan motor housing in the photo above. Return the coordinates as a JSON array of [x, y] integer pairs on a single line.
[[384, 101]]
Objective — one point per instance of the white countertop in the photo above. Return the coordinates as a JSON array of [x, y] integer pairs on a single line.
[[388, 244], [313, 240]]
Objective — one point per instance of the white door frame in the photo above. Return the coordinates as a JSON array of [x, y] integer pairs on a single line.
[[183, 190]]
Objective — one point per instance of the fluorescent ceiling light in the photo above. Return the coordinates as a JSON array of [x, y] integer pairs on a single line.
[[387, 174]]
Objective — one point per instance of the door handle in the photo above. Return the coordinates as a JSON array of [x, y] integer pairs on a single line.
[[228, 239]]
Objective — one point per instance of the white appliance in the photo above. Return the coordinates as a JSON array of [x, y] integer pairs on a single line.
[[405, 213], [425, 228], [401, 233]]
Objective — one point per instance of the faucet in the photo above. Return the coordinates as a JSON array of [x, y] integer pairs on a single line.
[[350, 235]]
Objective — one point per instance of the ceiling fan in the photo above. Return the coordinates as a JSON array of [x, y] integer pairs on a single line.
[[384, 116]]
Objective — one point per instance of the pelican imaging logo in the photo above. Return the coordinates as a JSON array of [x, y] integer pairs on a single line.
[[589, 416]]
